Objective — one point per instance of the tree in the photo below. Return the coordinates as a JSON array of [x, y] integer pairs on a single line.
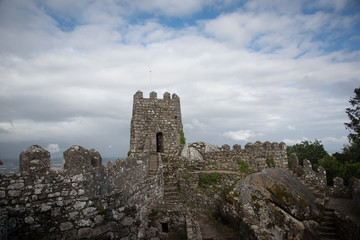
[[313, 151], [354, 115]]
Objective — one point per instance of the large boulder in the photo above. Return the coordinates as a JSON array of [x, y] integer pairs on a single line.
[[194, 151], [272, 204]]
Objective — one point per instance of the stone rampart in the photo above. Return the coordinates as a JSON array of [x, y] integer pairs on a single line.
[[317, 181], [258, 156], [91, 202]]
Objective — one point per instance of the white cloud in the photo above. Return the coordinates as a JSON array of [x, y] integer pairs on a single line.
[[53, 148], [294, 141], [241, 135], [290, 127], [257, 68], [342, 139]]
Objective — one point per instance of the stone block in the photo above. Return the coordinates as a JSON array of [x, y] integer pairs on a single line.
[[85, 233], [65, 226]]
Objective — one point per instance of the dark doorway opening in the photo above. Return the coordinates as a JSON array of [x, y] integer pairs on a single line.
[[159, 142], [165, 227]]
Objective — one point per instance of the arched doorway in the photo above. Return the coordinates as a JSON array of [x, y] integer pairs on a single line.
[[159, 142]]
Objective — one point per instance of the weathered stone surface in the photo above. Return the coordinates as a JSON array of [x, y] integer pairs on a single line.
[[29, 220], [65, 226], [272, 202], [16, 186], [142, 233], [157, 121], [14, 193], [34, 160], [79, 205], [73, 215], [99, 219], [85, 233], [77, 158], [127, 221], [84, 223], [45, 207], [90, 211]]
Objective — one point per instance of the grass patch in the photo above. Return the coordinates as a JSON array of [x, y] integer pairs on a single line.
[[209, 178], [100, 209], [187, 176]]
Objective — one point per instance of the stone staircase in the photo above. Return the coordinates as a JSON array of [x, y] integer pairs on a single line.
[[171, 193], [327, 229], [153, 164]]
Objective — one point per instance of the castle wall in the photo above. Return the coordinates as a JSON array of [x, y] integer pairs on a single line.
[[157, 121], [258, 156], [317, 181], [89, 202]]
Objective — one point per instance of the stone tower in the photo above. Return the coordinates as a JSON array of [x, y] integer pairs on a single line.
[[155, 124]]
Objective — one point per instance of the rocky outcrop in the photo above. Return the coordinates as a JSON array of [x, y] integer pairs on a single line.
[[272, 204], [194, 151]]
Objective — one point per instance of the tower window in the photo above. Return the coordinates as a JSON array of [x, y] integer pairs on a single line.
[[159, 142], [165, 227]]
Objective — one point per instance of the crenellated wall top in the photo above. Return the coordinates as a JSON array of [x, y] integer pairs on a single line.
[[153, 95]]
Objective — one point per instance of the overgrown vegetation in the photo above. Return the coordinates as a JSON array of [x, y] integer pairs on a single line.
[[209, 178], [270, 162], [100, 209], [182, 137], [312, 151], [187, 176], [345, 164], [244, 167]]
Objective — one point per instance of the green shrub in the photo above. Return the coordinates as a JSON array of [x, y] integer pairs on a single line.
[[182, 137], [100, 208], [270, 162], [209, 178], [244, 166], [187, 176]]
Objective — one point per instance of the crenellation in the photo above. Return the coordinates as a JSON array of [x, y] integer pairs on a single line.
[[166, 96], [34, 161], [225, 147], [153, 95], [237, 147]]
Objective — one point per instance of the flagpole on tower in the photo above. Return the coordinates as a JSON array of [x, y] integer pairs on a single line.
[[150, 79]]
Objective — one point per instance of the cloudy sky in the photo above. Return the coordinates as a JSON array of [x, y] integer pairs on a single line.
[[244, 70]]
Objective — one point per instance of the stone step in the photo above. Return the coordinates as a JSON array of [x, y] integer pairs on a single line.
[[329, 218], [328, 224], [328, 228], [172, 198], [170, 188], [168, 194], [152, 173], [328, 235]]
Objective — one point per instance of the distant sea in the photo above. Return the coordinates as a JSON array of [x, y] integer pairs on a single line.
[[11, 166]]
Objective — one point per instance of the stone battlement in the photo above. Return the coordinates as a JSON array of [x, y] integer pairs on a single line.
[[258, 155], [155, 124], [153, 95]]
